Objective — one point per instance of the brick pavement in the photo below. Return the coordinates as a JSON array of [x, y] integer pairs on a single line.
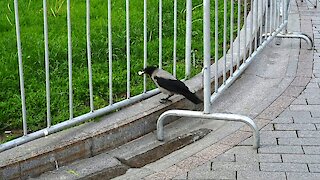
[[290, 137]]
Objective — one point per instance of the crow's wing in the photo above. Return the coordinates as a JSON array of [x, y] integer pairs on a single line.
[[172, 85]]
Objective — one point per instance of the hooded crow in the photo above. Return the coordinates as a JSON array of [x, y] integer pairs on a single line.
[[168, 84]]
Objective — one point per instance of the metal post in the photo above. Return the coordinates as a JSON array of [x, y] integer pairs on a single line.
[[89, 56], [160, 34], [251, 27], [22, 91], [46, 48], [245, 14], [70, 59], [224, 41], [206, 55], [145, 44], [188, 38], [175, 29], [231, 36], [238, 33], [110, 50], [128, 46], [216, 46]]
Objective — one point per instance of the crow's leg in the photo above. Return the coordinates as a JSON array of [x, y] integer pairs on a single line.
[[165, 100]]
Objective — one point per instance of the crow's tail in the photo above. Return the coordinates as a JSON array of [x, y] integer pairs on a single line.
[[192, 97]]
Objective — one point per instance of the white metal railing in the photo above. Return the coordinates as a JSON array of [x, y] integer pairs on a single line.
[[262, 13], [261, 25]]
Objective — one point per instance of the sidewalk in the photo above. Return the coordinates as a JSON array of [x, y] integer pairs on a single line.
[[290, 124]]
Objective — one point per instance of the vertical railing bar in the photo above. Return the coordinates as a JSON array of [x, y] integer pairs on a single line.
[[251, 27], [216, 55], [160, 34], [256, 24], [266, 19], [231, 37], [110, 51], [128, 46], [70, 59], [224, 41], [145, 45], [282, 14], [207, 55], [260, 25], [275, 15], [278, 12], [21, 77], [285, 15], [238, 33], [89, 56], [188, 38], [175, 12], [245, 30], [46, 53], [271, 14]]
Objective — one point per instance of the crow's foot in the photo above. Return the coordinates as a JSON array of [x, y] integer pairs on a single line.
[[165, 100]]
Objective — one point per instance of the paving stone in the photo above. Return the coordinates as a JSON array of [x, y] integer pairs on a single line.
[[226, 157], [293, 91], [314, 168], [301, 158], [236, 138], [184, 176], [281, 149], [234, 166], [306, 120], [306, 64], [190, 162], [276, 108], [296, 114], [300, 101], [224, 174], [276, 134], [250, 175], [284, 167], [308, 134], [303, 176], [312, 85], [299, 141], [303, 72], [290, 127], [258, 158], [242, 150], [313, 100], [268, 127], [312, 91], [315, 113], [263, 141], [168, 173], [212, 151], [317, 80], [316, 65], [300, 81], [311, 149], [279, 120]]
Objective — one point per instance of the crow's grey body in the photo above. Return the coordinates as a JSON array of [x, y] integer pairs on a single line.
[[169, 85]]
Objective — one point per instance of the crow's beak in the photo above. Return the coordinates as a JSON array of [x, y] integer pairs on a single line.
[[140, 73]]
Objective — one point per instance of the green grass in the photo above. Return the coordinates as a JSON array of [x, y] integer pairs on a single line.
[[31, 22]]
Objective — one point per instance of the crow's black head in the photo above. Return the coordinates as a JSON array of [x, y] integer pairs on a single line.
[[149, 70]]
